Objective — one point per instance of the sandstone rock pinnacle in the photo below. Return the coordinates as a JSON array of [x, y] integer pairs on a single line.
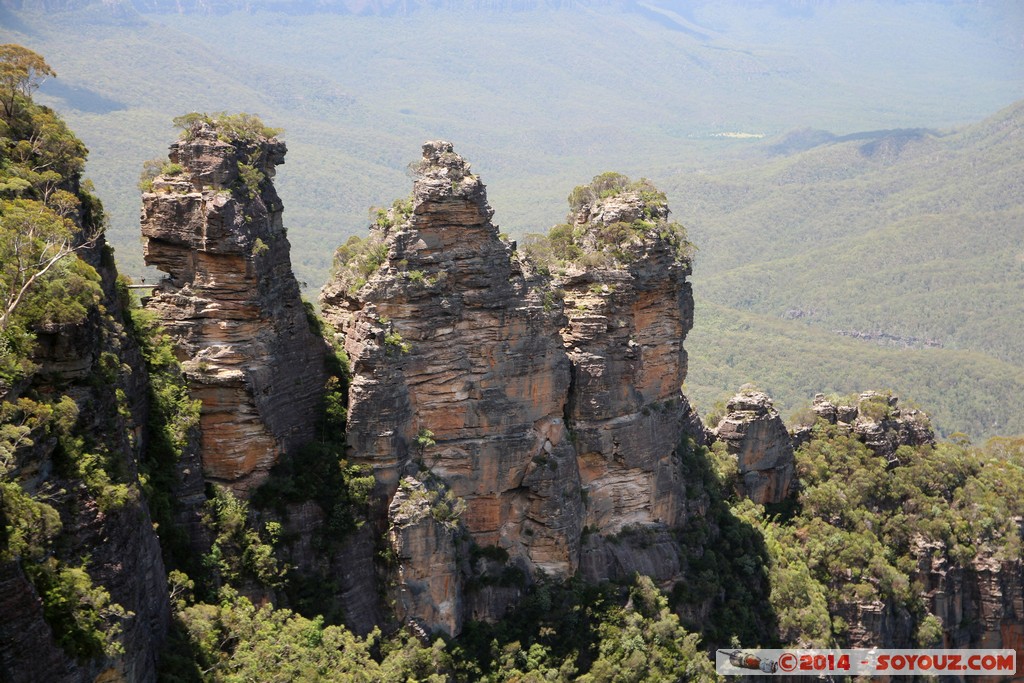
[[754, 432], [213, 223], [540, 400]]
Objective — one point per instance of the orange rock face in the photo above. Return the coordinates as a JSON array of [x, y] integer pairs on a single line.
[[232, 304]]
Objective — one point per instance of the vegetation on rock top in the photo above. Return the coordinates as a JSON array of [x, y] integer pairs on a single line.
[[591, 240]]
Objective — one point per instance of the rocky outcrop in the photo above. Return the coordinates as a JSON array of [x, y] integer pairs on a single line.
[[628, 307], [980, 604], [424, 535], [213, 223], [456, 368], [465, 367], [877, 420], [754, 433]]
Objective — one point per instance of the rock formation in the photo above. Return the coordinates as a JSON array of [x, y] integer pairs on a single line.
[[754, 433], [980, 605], [464, 365], [456, 368], [424, 524], [878, 421], [213, 223], [629, 307]]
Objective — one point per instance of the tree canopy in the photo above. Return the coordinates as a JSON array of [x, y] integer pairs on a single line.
[[21, 73]]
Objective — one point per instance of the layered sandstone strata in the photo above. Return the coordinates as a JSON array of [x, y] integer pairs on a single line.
[[457, 368], [754, 433], [213, 224], [546, 399], [628, 307]]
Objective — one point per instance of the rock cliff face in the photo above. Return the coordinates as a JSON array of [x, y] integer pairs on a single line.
[[465, 366], [981, 605], [754, 432], [104, 527], [213, 224], [626, 323], [456, 368]]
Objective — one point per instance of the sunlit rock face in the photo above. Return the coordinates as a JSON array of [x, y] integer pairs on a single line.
[[545, 403], [445, 339], [232, 304], [754, 433], [627, 317]]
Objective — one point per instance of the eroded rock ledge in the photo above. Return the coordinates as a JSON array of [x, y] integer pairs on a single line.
[[213, 223]]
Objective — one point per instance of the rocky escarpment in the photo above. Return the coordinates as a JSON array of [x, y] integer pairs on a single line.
[[979, 603], [754, 433], [213, 223], [544, 425]]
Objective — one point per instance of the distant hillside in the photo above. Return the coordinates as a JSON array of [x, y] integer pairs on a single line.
[[917, 238], [961, 390], [900, 239]]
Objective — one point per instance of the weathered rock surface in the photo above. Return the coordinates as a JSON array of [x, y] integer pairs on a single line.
[[423, 534], [464, 364], [981, 605], [754, 432], [232, 304], [878, 421], [444, 340], [627, 317]]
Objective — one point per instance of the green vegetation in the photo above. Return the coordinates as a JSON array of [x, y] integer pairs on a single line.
[[74, 429], [46, 216], [575, 631], [393, 342], [425, 440], [859, 525], [725, 557], [84, 620], [239, 127], [916, 250], [441, 503], [600, 245], [358, 259], [611, 184]]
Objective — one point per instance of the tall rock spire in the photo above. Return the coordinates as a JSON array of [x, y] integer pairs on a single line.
[[213, 223]]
